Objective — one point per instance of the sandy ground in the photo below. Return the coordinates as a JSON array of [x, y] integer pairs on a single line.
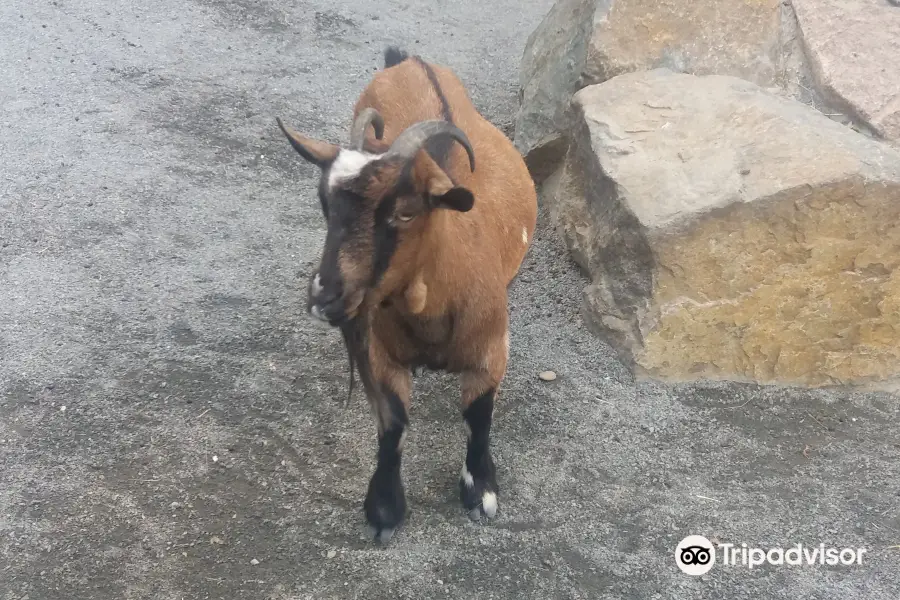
[[171, 427]]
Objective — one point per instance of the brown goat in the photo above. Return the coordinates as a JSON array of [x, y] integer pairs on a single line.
[[421, 246]]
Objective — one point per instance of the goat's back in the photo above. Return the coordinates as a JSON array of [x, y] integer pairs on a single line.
[[499, 228]]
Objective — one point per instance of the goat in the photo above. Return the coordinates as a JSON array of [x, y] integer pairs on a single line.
[[419, 253]]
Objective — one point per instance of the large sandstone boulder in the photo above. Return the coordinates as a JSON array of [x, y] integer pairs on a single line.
[[732, 233], [854, 50], [583, 42]]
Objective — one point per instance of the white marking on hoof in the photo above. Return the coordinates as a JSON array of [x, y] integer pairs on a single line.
[[385, 536], [467, 477], [316, 286], [525, 236], [489, 504], [348, 165]]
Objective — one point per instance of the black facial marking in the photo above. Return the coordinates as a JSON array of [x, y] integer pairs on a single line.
[[347, 206], [339, 218], [343, 210], [385, 242]]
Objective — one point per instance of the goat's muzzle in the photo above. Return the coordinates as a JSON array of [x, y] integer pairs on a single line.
[[325, 304], [329, 304]]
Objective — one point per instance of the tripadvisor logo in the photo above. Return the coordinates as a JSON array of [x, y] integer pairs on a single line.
[[696, 555]]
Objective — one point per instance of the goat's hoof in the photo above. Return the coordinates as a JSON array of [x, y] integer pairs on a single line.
[[484, 506], [382, 536], [385, 504], [478, 492]]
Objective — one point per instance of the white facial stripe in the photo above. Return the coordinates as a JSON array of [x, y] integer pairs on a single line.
[[347, 165]]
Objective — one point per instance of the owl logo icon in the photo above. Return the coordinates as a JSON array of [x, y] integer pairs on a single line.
[[695, 555]]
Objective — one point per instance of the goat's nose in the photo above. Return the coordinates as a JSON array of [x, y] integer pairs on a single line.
[[321, 294], [324, 301]]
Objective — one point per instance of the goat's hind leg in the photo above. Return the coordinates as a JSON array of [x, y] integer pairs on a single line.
[[385, 503]]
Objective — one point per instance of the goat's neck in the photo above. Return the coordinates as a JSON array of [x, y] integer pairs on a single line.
[[430, 286]]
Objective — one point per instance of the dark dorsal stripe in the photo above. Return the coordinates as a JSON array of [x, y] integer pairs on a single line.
[[438, 147]]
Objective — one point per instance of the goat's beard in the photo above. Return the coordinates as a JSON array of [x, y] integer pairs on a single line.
[[356, 333]]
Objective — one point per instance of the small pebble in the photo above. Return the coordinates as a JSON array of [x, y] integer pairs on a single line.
[[215, 458], [254, 562], [547, 376], [62, 408], [332, 554]]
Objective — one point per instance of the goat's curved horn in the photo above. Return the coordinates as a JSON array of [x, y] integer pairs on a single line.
[[415, 136], [366, 117]]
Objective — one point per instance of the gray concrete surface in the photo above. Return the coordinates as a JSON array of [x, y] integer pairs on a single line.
[[171, 428]]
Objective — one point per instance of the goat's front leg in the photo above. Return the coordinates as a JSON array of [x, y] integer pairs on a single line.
[[478, 480], [385, 504]]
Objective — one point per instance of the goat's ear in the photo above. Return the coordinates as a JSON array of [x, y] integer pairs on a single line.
[[440, 190], [456, 198], [317, 152]]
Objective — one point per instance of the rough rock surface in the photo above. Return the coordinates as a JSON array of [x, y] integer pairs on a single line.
[[551, 71], [732, 233], [854, 52], [583, 42]]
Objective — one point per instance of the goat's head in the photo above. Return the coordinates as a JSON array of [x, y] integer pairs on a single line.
[[377, 205]]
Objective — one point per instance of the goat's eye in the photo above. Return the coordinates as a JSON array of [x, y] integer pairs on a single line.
[[405, 217]]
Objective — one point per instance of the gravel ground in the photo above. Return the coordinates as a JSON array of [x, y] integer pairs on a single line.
[[171, 427]]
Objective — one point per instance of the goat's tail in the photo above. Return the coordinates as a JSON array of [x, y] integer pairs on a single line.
[[394, 56]]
